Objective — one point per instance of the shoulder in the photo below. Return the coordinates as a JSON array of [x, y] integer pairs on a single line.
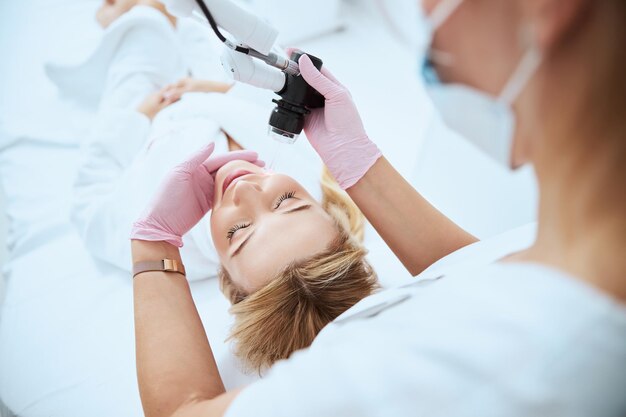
[[503, 339], [489, 250]]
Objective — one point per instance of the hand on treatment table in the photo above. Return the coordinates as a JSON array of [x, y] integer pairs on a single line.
[[185, 196], [336, 131], [156, 102], [195, 85]]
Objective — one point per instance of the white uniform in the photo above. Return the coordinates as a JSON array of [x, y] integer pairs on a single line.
[[470, 337]]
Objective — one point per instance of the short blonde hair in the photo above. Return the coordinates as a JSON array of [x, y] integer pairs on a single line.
[[288, 313]]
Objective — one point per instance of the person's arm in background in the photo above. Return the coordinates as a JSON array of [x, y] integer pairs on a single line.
[[176, 370], [105, 196], [416, 232], [196, 85], [106, 200]]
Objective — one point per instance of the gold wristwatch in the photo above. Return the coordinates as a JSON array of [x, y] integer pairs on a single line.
[[165, 265]]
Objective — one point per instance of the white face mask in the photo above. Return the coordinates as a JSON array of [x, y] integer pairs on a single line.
[[488, 122]]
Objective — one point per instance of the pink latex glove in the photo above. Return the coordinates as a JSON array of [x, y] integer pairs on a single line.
[[185, 196], [336, 131]]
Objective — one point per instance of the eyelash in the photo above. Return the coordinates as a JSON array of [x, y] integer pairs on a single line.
[[284, 197], [236, 227]]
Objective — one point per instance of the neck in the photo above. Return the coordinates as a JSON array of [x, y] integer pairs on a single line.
[[582, 226], [579, 155]]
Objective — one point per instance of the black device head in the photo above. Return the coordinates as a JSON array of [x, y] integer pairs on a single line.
[[297, 97]]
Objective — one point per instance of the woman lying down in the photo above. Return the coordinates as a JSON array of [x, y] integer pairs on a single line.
[[288, 263]]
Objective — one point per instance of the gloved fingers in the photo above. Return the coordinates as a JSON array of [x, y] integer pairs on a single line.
[[324, 85], [326, 72], [290, 50], [215, 163], [199, 157]]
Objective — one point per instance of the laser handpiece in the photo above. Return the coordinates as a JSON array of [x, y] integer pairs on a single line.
[[254, 39]]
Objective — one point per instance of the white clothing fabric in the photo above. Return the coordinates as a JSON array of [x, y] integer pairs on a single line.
[[137, 55], [485, 339]]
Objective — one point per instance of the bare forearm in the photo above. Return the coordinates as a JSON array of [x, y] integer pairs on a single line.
[[175, 364], [209, 86], [416, 232]]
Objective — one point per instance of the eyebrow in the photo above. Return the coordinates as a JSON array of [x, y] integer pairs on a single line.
[[293, 210]]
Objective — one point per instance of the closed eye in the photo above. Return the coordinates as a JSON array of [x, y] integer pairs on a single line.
[[234, 229], [283, 197]]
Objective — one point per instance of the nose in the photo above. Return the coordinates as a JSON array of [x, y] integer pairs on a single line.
[[247, 193]]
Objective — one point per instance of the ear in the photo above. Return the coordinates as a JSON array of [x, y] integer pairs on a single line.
[[552, 20]]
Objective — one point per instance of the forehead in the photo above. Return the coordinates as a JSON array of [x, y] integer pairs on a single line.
[[280, 239]]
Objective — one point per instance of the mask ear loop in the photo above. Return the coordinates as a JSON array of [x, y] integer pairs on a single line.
[[521, 76], [442, 12]]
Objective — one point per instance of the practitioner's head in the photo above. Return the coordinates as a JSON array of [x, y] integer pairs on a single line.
[[290, 264]]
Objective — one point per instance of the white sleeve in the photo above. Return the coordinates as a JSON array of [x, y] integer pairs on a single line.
[[115, 181], [106, 197], [146, 60], [119, 175]]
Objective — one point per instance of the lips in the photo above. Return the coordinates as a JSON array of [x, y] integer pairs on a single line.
[[232, 177]]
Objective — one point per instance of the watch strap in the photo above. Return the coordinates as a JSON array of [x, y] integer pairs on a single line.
[[165, 265]]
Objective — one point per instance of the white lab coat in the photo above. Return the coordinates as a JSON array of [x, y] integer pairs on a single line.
[[470, 337]]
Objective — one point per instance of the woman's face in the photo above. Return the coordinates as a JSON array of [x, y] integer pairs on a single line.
[[261, 222]]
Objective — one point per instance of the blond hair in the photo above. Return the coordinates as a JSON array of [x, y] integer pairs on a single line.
[[288, 313]]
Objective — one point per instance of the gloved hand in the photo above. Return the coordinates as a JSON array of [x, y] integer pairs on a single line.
[[336, 131], [185, 196]]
